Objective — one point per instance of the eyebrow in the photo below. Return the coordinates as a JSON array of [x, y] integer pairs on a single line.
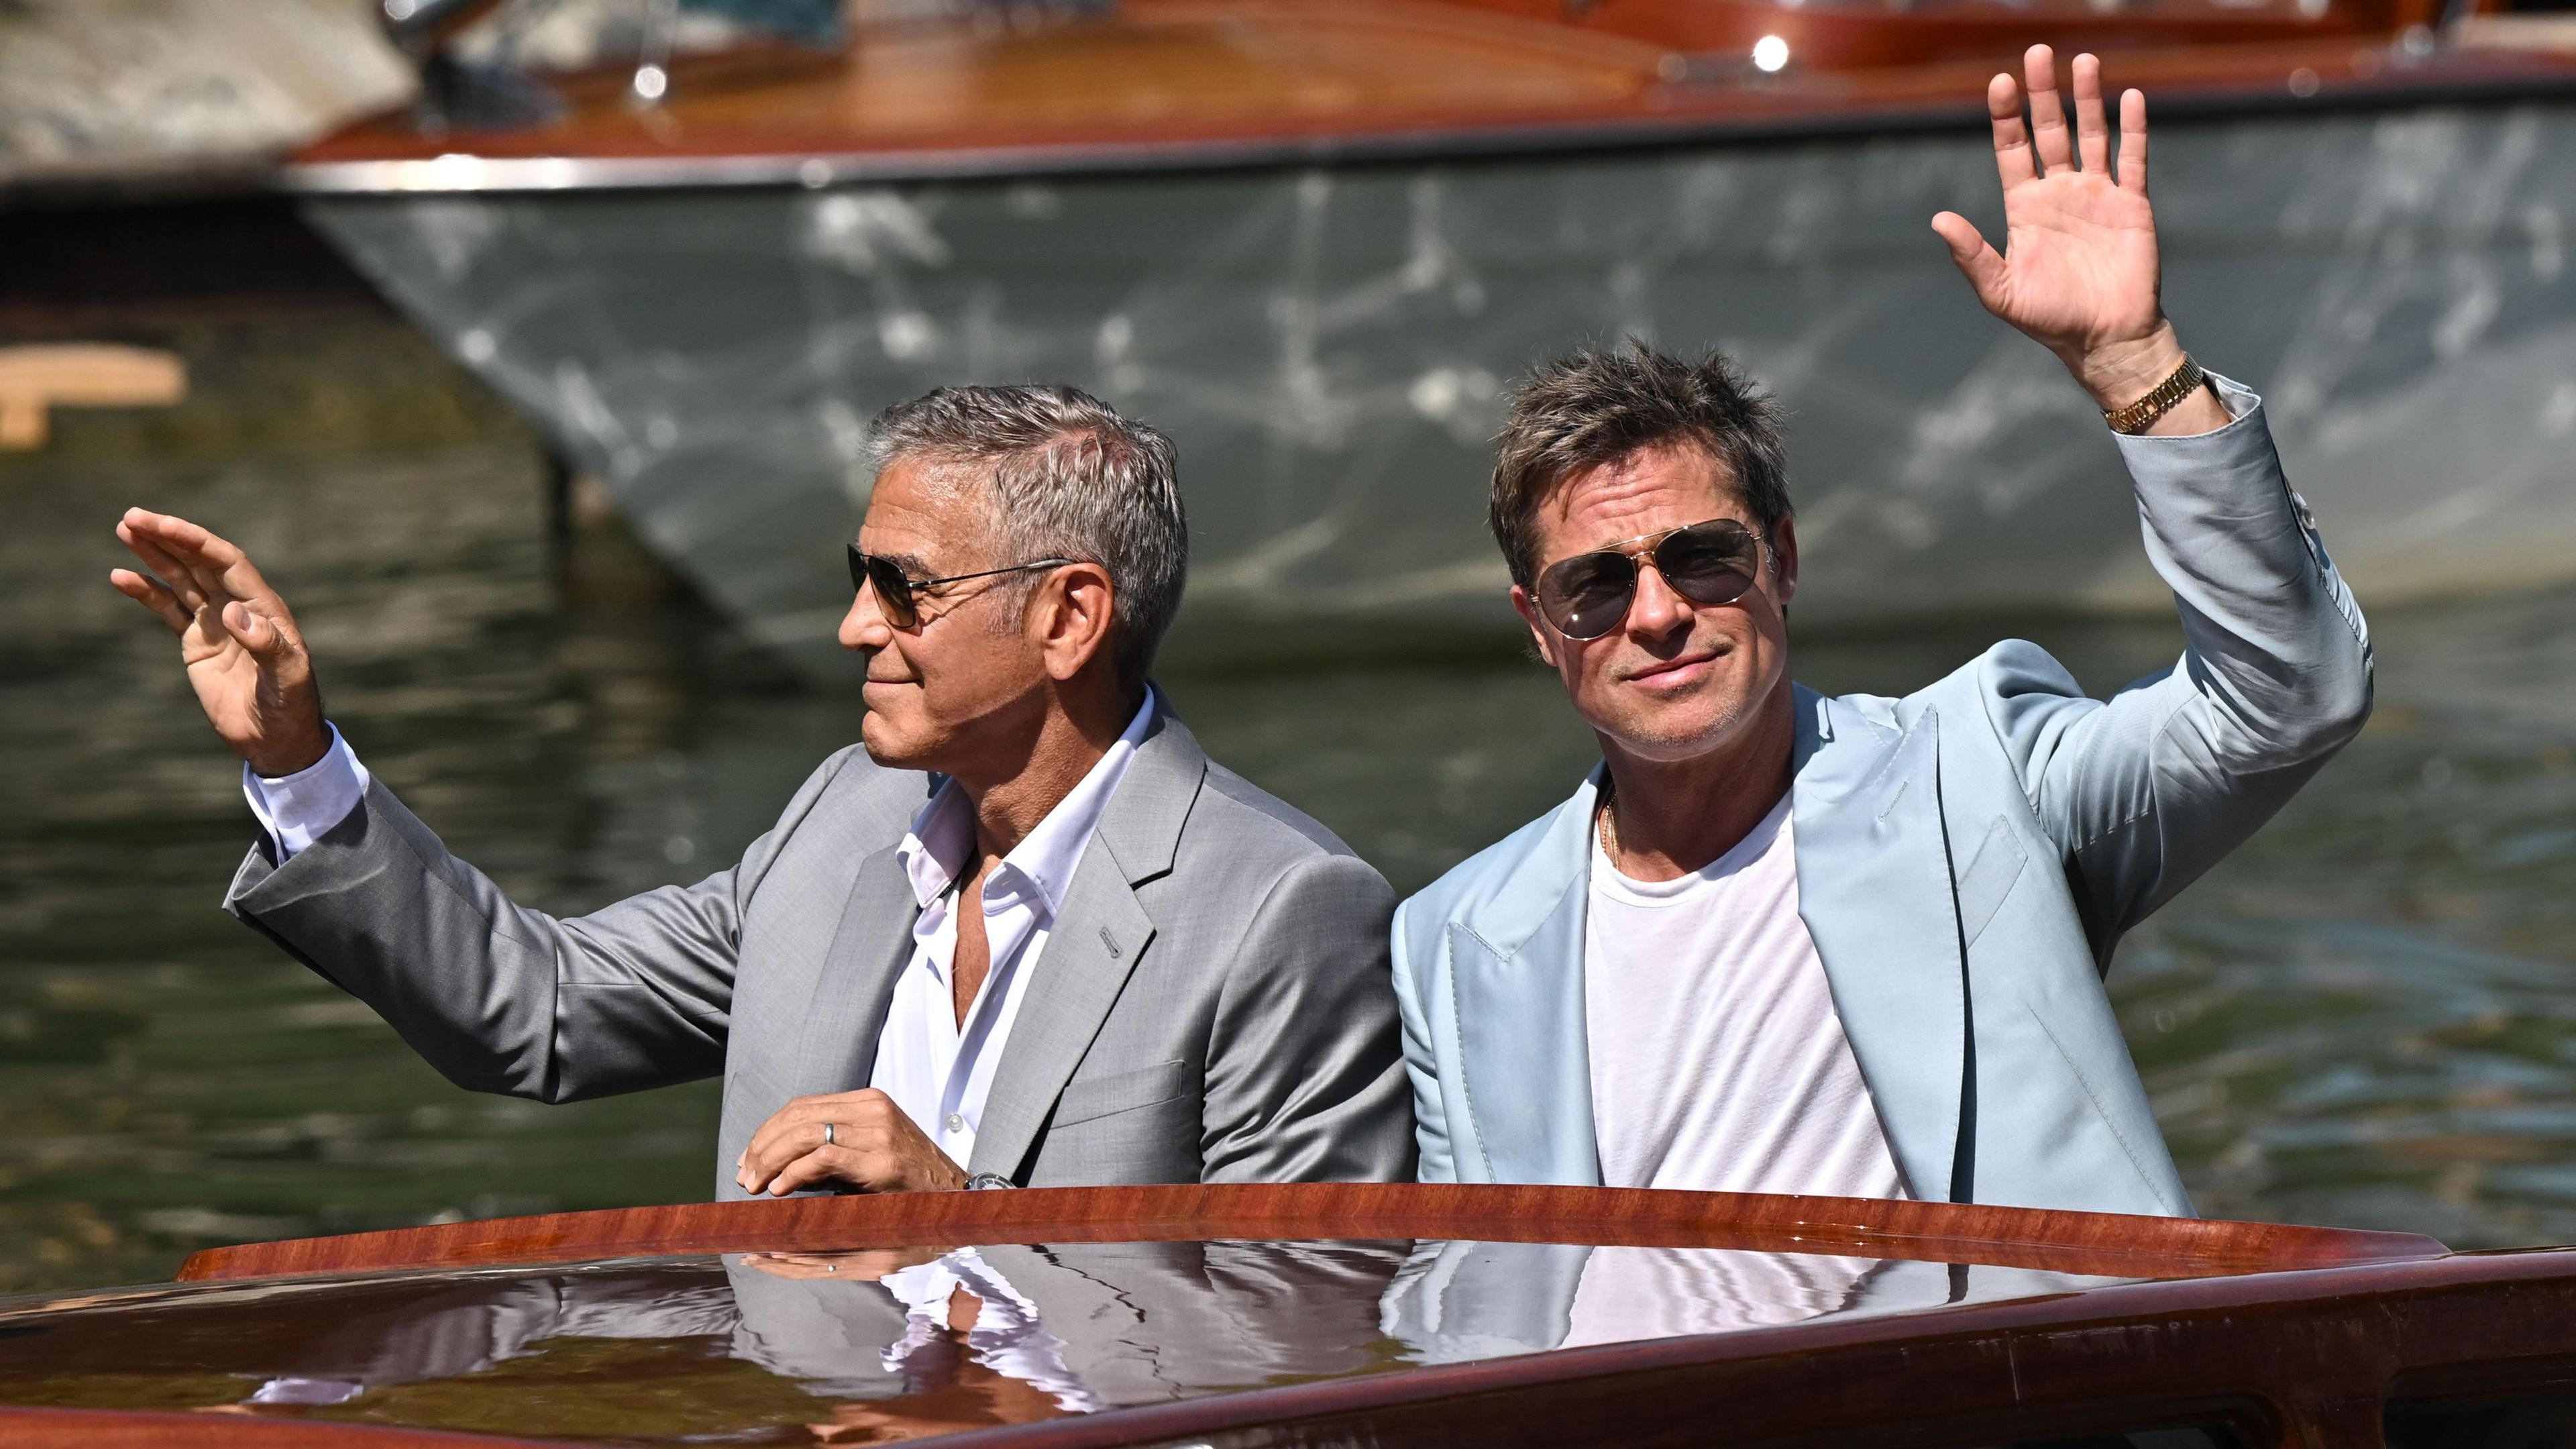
[[912, 565]]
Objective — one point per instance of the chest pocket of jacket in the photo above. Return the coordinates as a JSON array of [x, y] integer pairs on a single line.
[[1990, 877], [1087, 1099]]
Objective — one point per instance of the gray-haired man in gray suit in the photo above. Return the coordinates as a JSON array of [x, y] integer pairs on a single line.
[[1170, 976]]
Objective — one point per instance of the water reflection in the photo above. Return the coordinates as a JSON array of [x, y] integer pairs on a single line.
[[903, 1343]]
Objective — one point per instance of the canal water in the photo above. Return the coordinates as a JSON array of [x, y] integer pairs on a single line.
[[2363, 1018]]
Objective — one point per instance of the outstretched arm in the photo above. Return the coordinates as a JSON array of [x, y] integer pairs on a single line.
[[2149, 790], [498, 997]]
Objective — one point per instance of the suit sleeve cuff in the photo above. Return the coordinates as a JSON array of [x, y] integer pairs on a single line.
[[296, 810]]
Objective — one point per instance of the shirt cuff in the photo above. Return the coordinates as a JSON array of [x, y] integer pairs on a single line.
[[296, 810]]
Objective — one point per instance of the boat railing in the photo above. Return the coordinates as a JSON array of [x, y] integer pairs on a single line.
[[2104, 1244]]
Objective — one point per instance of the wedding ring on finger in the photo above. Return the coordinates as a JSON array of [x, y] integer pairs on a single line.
[[827, 1134]]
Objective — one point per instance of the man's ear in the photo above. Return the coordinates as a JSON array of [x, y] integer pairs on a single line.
[[1070, 617], [1539, 637], [1784, 558]]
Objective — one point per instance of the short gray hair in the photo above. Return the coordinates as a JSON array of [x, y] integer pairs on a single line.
[[1069, 478]]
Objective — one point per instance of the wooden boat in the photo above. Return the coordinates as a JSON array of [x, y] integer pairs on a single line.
[[1316, 1315], [1314, 238]]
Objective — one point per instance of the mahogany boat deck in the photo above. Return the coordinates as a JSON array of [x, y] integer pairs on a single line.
[[1387, 1315], [1219, 82]]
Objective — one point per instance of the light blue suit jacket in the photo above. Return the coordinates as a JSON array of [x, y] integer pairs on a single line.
[[1968, 856]]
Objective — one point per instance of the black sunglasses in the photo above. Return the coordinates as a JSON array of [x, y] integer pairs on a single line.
[[897, 591], [1585, 597]]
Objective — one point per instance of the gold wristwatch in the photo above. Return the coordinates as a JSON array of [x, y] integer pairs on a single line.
[[2141, 415]]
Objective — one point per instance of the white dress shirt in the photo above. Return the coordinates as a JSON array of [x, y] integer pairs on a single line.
[[935, 1071], [298, 809]]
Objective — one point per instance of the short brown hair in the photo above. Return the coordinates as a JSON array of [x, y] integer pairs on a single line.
[[1597, 406]]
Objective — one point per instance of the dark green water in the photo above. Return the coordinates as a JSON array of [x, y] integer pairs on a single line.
[[2364, 1018]]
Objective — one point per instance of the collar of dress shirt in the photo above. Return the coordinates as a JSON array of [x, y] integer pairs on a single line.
[[942, 839]]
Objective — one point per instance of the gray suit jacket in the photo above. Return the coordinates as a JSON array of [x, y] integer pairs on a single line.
[[1968, 856], [1212, 1005]]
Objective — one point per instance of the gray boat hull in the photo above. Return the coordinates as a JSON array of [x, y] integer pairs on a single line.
[[1329, 347]]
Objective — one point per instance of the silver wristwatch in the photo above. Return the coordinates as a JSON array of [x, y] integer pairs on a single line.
[[983, 1181]]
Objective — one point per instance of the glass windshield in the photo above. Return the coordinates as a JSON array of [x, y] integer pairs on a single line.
[[910, 1342]]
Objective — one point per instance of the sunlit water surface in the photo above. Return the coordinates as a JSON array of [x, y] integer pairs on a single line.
[[2360, 1019]]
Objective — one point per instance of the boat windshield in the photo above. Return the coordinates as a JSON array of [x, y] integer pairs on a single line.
[[900, 1343]]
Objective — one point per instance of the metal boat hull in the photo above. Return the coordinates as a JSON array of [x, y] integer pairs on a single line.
[[1329, 347]]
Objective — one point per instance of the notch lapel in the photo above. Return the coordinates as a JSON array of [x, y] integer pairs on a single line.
[[1874, 888], [1516, 966], [1097, 939], [1100, 933], [837, 1049]]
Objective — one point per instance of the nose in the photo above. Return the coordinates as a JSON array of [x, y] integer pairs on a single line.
[[864, 629], [1656, 611]]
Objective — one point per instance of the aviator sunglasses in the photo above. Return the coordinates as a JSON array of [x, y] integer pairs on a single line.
[[898, 592], [1585, 597]]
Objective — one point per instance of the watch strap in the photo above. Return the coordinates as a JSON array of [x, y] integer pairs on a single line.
[[2141, 415]]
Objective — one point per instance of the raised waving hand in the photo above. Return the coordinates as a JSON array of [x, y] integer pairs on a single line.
[[2079, 272], [237, 638]]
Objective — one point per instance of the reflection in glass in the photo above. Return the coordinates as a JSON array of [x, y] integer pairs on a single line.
[[888, 1344], [1459, 1301]]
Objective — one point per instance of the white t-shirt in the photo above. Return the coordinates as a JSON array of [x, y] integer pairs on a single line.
[[1718, 1062]]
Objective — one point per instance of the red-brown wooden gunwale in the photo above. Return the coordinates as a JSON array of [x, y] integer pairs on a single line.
[[2100, 1244], [1228, 81], [2294, 1360], [39, 1428], [2297, 1360]]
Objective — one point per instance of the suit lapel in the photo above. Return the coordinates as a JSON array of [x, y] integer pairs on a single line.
[[838, 1048], [1098, 937], [1100, 933], [1874, 888], [1516, 964]]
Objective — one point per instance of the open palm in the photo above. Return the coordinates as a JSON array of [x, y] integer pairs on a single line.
[[244, 656], [2078, 272]]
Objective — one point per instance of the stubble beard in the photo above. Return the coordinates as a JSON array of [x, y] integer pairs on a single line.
[[1732, 703]]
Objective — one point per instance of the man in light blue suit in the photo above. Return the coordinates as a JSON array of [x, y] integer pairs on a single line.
[[1785, 943]]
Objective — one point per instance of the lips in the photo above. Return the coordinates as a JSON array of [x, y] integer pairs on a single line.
[[1669, 671]]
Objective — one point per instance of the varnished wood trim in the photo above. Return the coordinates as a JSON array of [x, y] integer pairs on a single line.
[[22, 1428], [2090, 1243], [1260, 83], [2294, 1360], [2224, 88]]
